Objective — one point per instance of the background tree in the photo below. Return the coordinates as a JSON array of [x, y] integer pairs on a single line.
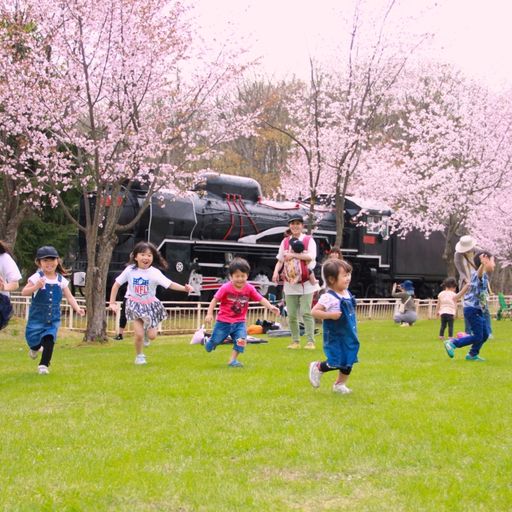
[[22, 129], [124, 97], [450, 156], [262, 155], [336, 117]]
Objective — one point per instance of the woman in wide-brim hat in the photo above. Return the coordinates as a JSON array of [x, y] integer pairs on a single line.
[[463, 258]]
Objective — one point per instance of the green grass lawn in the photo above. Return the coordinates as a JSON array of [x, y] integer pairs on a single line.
[[186, 433]]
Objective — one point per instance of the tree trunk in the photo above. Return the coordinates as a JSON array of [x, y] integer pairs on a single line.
[[340, 212], [96, 288], [449, 246], [12, 212]]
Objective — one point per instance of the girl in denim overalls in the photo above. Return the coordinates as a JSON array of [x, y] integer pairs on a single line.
[[337, 309], [47, 287]]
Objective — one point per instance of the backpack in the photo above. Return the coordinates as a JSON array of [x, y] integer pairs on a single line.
[[296, 271]]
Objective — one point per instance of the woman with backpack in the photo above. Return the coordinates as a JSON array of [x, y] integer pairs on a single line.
[[298, 289], [406, 314]]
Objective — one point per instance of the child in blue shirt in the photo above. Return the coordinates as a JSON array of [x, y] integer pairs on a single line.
[[475, 309]]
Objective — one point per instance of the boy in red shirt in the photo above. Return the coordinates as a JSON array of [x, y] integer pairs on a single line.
[[234, 297]]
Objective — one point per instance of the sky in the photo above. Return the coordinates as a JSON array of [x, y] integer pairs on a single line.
[[473, 35]]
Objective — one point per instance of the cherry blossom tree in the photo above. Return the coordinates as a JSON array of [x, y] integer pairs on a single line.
[[22, 136], [448, 161], [336, 116], [125, 96]]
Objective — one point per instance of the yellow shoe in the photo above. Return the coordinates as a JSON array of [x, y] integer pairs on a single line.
[[309, 345], [294, 345]]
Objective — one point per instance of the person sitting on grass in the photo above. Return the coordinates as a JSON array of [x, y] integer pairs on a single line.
[[406, 314], [475, 309], [234, 297]]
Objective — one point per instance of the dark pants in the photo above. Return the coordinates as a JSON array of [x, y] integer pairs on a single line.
[[47, 343], [480, 329], [122, 317], [446, 320]]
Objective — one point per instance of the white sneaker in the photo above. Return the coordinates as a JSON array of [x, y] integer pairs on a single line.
[[140, 359], [314, 374], [34, 353], [43, 370], [341, 388]]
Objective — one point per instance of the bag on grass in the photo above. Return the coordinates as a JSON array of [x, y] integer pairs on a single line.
[[198, 337], [255, 329]]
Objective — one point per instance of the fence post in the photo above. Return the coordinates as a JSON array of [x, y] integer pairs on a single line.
[[198, 320], [71, 313], [117, 318]]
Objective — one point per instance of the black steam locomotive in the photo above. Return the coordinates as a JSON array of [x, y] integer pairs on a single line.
[[226, 216]]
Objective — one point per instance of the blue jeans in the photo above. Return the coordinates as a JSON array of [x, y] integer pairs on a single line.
[[479, 323], [237, 331]]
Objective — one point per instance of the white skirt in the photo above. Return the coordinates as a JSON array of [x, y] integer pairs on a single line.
[[151, 314]]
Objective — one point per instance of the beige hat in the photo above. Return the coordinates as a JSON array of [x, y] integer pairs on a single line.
[[465, 244]]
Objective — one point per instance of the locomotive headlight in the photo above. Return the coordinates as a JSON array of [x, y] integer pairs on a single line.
[[179, 266]]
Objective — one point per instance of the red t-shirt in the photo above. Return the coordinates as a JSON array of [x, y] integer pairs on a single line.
[[234, 303]]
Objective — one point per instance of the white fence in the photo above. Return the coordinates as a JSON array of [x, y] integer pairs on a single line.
[[186, 317]]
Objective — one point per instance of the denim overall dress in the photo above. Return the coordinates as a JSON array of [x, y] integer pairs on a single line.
[[341, 344], [44, 313]]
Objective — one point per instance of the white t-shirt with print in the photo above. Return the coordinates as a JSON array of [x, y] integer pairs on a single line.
[[142, 282], [9, 271]]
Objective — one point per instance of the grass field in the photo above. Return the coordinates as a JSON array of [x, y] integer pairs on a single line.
[[186, 433]]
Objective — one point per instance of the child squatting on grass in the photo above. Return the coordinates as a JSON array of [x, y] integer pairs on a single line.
[[475, 309], [337, 310], [234, 297], [142, 306], [47, 286]]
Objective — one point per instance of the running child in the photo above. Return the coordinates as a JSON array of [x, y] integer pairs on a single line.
[[142, 306], [447, 305], [337, 310], [475, 309], [47, 286], [234, 297]]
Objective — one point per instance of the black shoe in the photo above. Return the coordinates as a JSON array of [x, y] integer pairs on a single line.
[[118, 337]]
